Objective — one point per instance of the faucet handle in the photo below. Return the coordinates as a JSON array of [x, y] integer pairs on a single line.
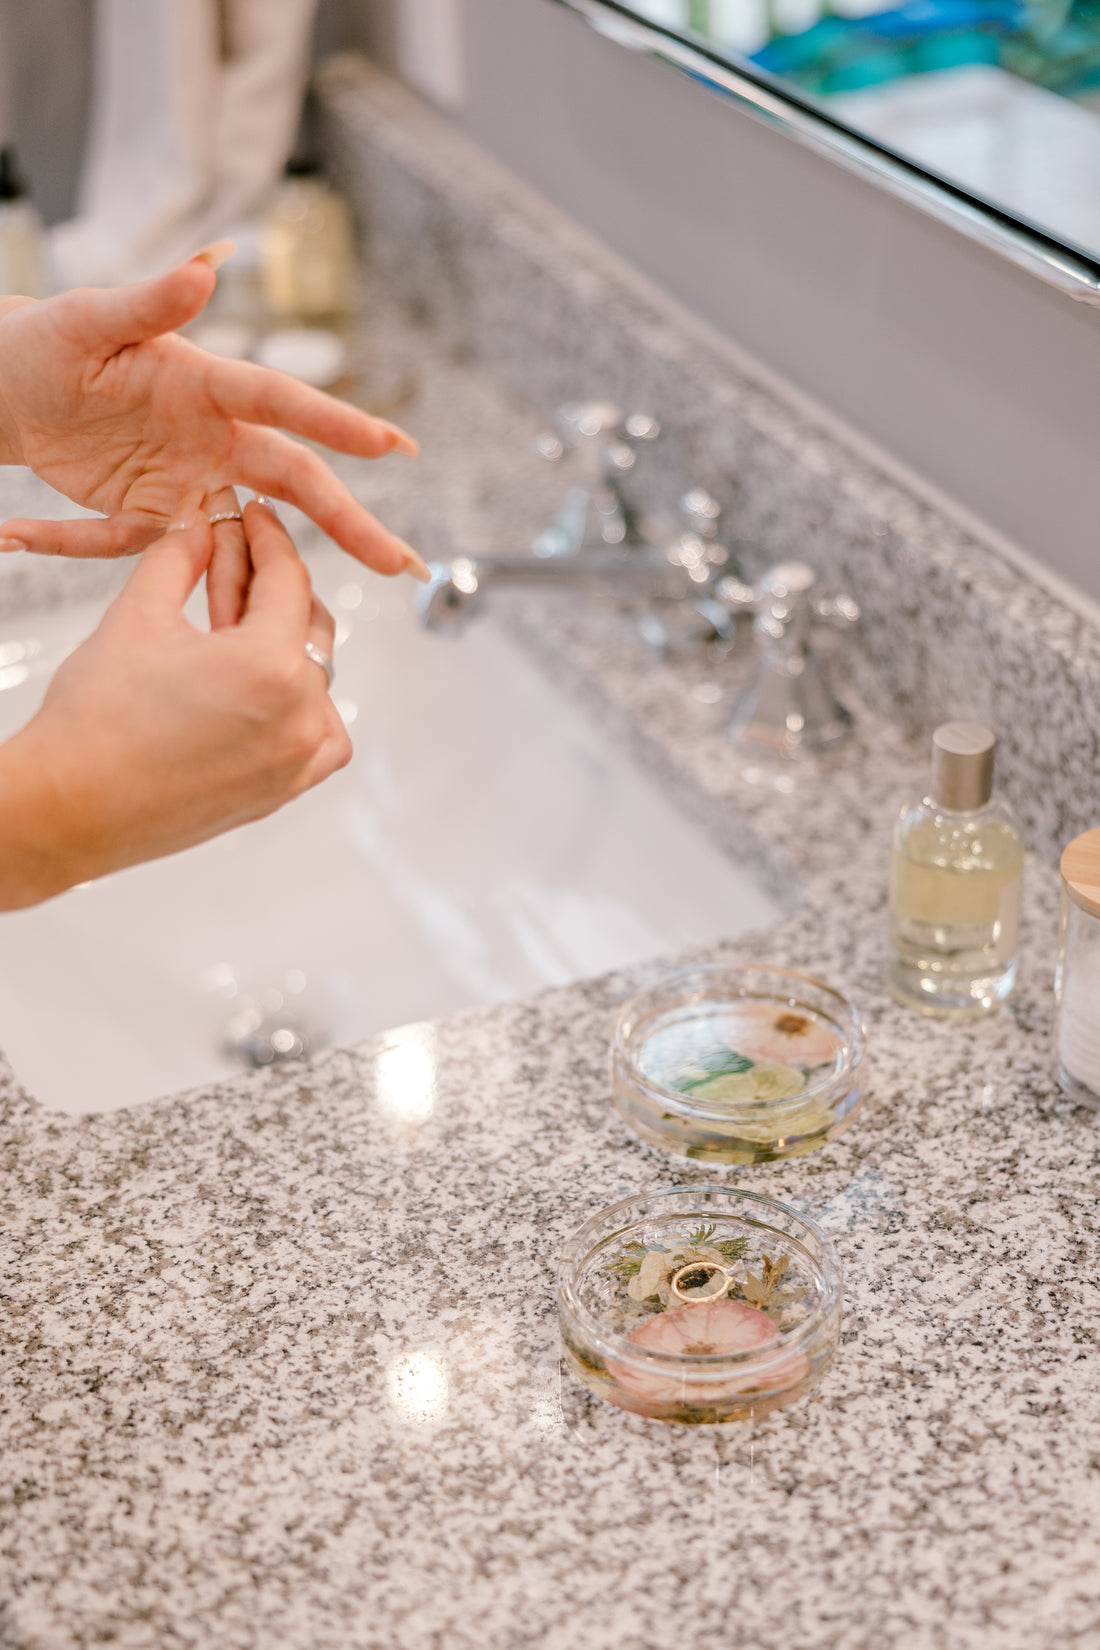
[[839, 611], [594, 512], [788, 703], [785, 598], [580, 421], [701, 513], [581, 424], [697, 547], [640, 427]]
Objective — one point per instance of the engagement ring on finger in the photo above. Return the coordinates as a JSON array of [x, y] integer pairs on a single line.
[[321, 658], [225, 515]]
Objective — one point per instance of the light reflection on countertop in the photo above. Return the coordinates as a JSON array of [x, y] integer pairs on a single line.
[[404, 1074], [416, 1383]]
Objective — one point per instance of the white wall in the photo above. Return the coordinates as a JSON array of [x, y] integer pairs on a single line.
[[971, 374]]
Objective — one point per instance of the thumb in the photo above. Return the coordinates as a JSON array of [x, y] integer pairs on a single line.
[[109, 318], [168, 572]]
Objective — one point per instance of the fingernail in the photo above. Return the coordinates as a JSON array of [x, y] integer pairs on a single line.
[[415, 564], [403, 442], [216, 253], [268, 504], [11, 544]]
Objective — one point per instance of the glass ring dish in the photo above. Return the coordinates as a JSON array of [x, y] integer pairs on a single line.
[[738, 1064], [699, 1304]]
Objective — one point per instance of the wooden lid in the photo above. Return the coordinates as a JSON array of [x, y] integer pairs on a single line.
[[1081, 871]]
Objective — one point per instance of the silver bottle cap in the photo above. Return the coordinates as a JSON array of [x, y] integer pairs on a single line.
[[962, 766]]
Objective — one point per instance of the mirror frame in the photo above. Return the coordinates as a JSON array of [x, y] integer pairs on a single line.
[[767, 100]]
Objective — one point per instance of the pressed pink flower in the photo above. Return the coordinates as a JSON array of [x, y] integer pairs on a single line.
[[767, 1031], [716, 1326], [696, 1330]]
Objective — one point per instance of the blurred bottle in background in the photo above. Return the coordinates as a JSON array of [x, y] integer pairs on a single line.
[[22, 262], [307, 255]]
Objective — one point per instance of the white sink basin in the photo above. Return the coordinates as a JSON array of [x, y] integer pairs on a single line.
[[485, 842]]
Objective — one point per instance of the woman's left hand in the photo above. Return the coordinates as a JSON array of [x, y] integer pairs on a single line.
[[104, 401]]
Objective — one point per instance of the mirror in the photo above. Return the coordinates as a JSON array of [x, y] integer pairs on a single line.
[[993, 104]]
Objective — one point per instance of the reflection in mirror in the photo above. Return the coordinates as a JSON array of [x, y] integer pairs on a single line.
[[1000, 98]]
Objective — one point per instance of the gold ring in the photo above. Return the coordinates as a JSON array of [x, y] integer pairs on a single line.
[[225, 515], [724, 1274]]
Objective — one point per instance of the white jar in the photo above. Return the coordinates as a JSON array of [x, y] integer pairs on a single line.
[[1077, 986]]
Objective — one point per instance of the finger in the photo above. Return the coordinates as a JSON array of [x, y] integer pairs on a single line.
[[107, 319], [228, 578], [334, 752], [272, 463], [121, 535], [230, 570], [280, 598], [168, 572], [260, 395]]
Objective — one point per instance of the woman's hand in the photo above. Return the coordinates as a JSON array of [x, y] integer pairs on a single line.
[[154, 736], [102, 399]]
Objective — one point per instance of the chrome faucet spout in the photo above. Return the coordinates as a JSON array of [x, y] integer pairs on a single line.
[[456, 587]]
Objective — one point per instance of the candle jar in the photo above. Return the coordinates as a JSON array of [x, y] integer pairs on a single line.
[[1077, 984]]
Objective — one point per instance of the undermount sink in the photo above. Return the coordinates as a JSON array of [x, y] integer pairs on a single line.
[[484, 842]]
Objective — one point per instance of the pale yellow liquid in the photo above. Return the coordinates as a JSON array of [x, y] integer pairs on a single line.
[[955, 889], [307, 253]]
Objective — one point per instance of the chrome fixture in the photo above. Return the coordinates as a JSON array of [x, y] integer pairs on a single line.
[[456, 586], [685, 591], [692, 618], [788, 706], [258, 1039], [593, 514], [675, 583]]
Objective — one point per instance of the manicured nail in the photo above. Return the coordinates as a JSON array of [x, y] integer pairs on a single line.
[[403, 442], [11, 544], [415, 564], [216, 253], [268, 504]]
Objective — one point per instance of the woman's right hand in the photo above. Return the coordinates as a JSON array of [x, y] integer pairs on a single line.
[[154, 736]]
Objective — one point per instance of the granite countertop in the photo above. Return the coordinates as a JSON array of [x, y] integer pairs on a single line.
[[280, 1358]]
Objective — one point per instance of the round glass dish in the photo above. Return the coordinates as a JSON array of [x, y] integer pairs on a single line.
[[699, 1304], [737, 1064]]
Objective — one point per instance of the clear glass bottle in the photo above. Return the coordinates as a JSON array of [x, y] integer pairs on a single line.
[[955, 884], [306, 250], [1077, 984]]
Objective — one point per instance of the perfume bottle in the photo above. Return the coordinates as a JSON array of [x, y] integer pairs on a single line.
[[306, 250], [955, 884]]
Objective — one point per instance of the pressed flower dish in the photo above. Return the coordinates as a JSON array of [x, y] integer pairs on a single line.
[[699, 1304], [738, 1064]]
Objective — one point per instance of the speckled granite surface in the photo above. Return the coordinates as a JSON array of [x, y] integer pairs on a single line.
[[505, 276], [281, 1367], [279, 1363]]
